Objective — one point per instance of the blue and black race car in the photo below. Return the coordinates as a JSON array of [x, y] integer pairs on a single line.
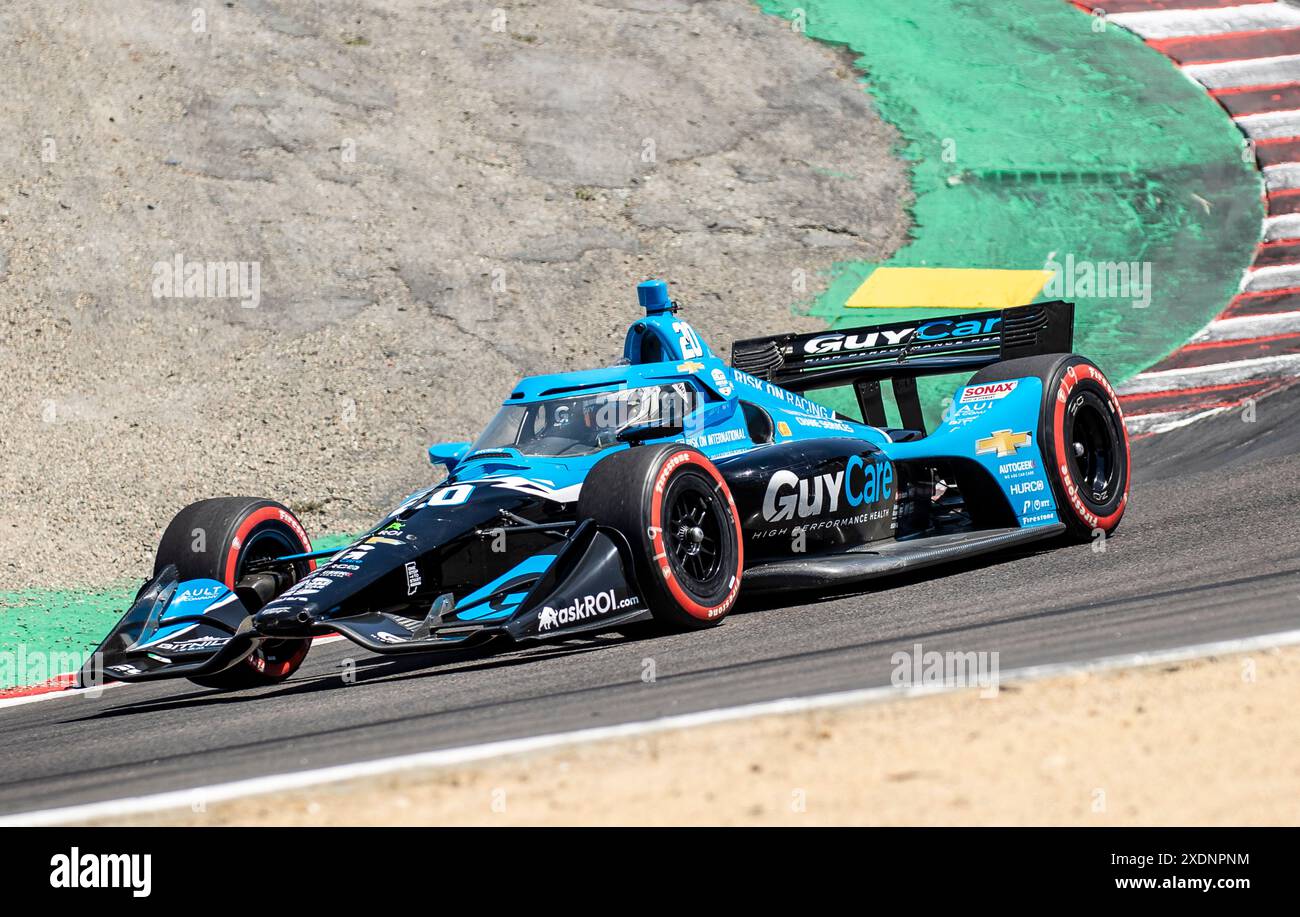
[[660, 489]]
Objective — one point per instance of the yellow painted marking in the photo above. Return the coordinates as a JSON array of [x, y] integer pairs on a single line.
[[966, 289]]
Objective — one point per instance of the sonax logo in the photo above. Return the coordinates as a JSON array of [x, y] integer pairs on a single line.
[[987, 392]]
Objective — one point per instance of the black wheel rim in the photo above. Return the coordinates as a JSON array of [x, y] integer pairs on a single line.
[[1094, 453], [694, 533], [269, 542], [272, 542]]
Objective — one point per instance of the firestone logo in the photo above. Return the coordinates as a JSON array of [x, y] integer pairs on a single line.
[[669, 467]]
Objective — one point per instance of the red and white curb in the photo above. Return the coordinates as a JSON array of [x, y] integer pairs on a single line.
[[1246, 53]]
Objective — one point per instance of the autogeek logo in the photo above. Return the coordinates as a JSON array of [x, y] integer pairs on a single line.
[[103, 870], [863, 481]]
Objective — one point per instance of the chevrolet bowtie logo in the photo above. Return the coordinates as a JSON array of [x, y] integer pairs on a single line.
[[690, 366], [1003, 442]]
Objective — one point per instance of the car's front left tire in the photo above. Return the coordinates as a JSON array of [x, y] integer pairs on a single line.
[[217, 539], [681, 523]]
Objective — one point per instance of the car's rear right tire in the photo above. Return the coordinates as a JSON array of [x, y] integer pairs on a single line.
[[1082, 437]]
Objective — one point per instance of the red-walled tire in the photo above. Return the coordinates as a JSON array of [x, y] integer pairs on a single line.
[[1082, 437], [216, 539], [681, 523]]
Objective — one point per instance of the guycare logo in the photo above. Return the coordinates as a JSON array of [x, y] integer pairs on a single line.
[[861, 481], [103, 870], [941, 329]]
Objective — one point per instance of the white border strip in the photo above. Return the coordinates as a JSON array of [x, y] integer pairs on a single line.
[[1248, 327], [1164, 421], [1270, 125], [1258, 71], [280, 783], [1172, 380], [1281, 226], [1154, 25]]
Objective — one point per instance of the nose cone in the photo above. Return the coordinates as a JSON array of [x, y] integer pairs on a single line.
[[284, 621], [653, 296]]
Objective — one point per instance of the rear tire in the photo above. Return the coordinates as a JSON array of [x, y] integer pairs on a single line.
[[216, 539], [681, 523], [1082, 437]]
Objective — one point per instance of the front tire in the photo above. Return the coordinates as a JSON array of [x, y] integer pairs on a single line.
[[217, 539], [677, 514], [1082, 437]]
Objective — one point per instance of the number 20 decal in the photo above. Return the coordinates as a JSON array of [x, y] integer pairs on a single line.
[[689, 341], [451, 496]]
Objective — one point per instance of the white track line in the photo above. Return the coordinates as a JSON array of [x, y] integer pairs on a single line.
[[1156, 24], [64, 692], [1270, 125], [1282, 177], [1164, 421], [1248, 326], [1171, 380], [1282, 226], [1275, 277], [1257, 72], [281, 783]]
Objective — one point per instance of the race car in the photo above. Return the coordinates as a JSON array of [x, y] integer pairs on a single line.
[[655, 492]]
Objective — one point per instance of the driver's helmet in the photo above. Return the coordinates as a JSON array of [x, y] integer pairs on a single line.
[[638, 406]]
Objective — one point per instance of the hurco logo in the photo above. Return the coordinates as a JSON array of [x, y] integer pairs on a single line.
[[941, 329], [863, 481]]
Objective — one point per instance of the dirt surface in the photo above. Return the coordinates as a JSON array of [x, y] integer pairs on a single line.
[[437, 200], [1210, 742]]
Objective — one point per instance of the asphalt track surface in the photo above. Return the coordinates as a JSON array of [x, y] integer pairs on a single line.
[[1202, 555]]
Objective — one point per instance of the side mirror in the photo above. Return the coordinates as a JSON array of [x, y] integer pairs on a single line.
[[447, 454]]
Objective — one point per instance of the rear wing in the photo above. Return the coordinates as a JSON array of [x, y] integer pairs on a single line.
[[902, 351]]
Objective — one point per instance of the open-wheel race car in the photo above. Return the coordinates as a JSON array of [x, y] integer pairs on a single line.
[[660, 489]]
